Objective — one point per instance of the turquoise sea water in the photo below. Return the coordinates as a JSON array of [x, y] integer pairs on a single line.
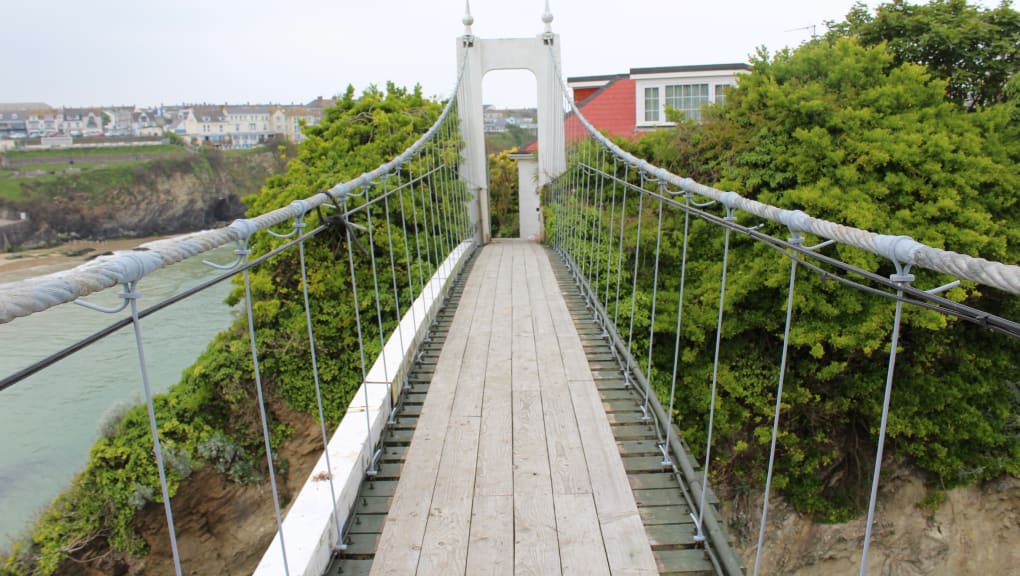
[[49, 421]]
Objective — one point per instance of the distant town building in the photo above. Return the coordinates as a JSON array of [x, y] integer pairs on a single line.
[[497, 120], [14, 118], [247, 126], [42, 120], [82, 122], [225, 126]]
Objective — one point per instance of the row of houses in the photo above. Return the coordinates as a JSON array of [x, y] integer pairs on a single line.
[[225, 126], [246, 126], [498, 120], [35, 119]]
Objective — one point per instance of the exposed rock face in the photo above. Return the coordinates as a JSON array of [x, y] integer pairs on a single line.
[[223, 528], [166, 196], [976, 530]]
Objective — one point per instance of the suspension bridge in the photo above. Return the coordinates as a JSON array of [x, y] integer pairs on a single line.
[[510, 423]]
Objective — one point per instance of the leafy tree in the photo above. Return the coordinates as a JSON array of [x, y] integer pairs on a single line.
[[843, 132], [976, 50], [504, 195], [514, 137], [211, 416]]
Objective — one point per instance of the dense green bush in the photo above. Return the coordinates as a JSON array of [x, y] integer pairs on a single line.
[[846, 133], [211, 417]]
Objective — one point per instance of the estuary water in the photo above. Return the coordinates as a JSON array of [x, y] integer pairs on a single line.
[[49, 421]]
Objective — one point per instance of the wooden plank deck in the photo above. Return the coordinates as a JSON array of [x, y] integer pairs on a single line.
[[513, 468]]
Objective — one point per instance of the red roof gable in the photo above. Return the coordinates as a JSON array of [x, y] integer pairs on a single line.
[[612, 109]]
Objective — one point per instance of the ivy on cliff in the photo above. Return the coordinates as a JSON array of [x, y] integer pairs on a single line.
[[211, 416]]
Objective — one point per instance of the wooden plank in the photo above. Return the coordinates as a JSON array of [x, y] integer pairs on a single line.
[[650, 481], [368, 523], [491, 546], [672, 536], [535, 545], [495, 459], [582, 552], [653, 515], [356, 567], [401, 542], [686, 562], [372, 505], [445, 545], [568, 467], [638, 464], [361, 544], [470, 382], [660, 497], [575, 361], [627, 545], [524, 363]]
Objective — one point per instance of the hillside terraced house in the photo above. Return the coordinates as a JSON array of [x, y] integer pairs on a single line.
[[14, 118], [206, 124], [83, 121], [287, 121], [246, 126], [42, 119]]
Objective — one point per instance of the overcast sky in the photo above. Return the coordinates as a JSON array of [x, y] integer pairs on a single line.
[[142, 52]]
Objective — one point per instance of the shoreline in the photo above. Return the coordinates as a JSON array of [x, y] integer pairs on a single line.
[[16, 266]]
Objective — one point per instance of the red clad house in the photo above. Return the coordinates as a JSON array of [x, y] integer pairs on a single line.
[[625, 105]]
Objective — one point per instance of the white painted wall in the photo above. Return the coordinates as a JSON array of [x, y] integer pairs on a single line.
[[529, 203], [535, 54], [660, 80], [309, 528]]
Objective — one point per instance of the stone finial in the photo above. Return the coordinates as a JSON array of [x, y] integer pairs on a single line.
[[547, 17], [468, 19]]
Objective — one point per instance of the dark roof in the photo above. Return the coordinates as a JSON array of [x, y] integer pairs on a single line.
[[25, 107], [209, 114], [694, 68], [82, 112], [600, 78], [247, 109], [321, 102]]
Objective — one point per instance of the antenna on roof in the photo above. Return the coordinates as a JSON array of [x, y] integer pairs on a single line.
[[813, 28]]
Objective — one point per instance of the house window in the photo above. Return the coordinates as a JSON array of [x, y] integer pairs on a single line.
[[720, 92], [687, 98], [652, 104]]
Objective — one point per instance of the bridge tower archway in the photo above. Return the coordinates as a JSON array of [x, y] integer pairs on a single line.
[[541, 56]]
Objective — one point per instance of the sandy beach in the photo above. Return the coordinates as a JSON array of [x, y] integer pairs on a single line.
[[20, 265]]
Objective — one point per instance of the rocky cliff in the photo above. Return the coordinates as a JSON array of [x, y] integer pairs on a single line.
[[972, 530], [164, 196]]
